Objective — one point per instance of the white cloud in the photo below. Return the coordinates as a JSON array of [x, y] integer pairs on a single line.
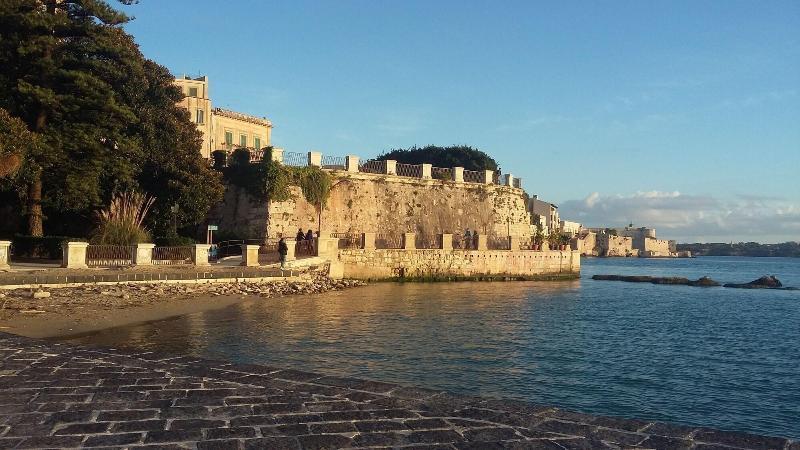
[[690, 218]]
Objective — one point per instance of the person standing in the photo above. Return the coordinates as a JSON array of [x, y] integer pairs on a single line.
[[475, 240], [310, 242], [283, 249], [467, 241], [300, 235]]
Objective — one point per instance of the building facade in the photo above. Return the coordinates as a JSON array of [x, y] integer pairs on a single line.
[[545, 210], [222, 129]]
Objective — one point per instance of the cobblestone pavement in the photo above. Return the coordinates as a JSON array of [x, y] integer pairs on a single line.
[[62, 396]]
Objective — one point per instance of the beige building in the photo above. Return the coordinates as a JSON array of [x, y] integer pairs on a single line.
[[545, 210], [568, 227], [222, 129]]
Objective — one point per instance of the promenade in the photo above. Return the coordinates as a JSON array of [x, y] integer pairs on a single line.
[[56, 395]]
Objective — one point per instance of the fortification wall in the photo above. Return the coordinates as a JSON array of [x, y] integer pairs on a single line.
[[240, 214], [361, 202], [586, 244], [610, 245], [384, 264], [656, 247]]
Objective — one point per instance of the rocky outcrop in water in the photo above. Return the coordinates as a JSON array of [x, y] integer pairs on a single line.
[[702, 282], [765, 282]]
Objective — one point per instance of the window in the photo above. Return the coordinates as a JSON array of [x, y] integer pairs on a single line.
[[200, 116], [192, 92], [257, 142], [243, 140], [228, 138]]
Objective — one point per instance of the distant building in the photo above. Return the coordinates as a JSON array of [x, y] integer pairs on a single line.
[[546, 210], [570, 228], [222, 129]]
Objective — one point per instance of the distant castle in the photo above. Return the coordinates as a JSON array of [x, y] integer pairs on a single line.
[[629, 241]]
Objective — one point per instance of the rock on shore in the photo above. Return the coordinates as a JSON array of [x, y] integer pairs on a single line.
[[765, 282]]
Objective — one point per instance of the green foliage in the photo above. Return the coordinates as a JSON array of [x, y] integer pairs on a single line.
[[48, 247], [454, 156], [316, 185], [173, 240], [122, 223], [16, 142], [106, 118], [786, 249]]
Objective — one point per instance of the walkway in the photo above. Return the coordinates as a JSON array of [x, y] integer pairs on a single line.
[[58, 395]]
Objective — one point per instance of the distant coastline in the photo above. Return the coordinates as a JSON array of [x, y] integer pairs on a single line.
[[786, 249]]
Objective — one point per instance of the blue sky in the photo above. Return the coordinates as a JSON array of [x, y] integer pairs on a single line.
[[680, 115]]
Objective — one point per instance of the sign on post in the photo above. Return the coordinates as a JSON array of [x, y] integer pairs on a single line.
[[210, 234]]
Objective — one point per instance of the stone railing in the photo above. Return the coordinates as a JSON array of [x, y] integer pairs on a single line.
[[441, 241], [352, 163]]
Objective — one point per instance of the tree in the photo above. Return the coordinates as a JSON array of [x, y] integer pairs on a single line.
[[316, 185], [454, 156], [16, 142], [58, 60]]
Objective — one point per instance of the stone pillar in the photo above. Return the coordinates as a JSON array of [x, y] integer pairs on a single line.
[[368, 241], [482, 242], [290, 244], [518, 183], [514, 242], [351, 163], [74, 255], [200, 254], [391, 167], [458, 174], [508, 180], [488, 177], [5, 254], [315, 159], [426, 171], [447, 241], [409, 241], [143, 255], [277, 155], [250, 255], [327, 247]]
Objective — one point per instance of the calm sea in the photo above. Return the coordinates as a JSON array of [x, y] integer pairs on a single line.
[[723, 358]]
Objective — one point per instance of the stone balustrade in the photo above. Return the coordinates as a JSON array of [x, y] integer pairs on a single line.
[[424, 171], [5, 251]]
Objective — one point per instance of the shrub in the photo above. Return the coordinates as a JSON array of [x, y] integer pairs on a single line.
[[173, 240], [122, 223]]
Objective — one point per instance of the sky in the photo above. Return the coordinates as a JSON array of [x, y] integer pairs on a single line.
[[679, 115]]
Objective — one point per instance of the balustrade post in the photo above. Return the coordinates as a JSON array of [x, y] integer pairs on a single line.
[[291, 244], [200, 254], [249, 255], [409, 241], [5, 254], [508, 180], [426, 171], [458, 174], [74, 255], [447, 241], [327, 247], [518, 183], [514, 242], [483, 243], [488, 177], [315, 159], [351, 163], [143, 255], [277, 155], [368, 241], [391, 167]]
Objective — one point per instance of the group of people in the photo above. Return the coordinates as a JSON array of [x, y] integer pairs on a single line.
[[305, 242], [470, 240]]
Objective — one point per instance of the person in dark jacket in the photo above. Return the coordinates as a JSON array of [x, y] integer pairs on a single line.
[[310, 242], [283, 249], [300, 235]]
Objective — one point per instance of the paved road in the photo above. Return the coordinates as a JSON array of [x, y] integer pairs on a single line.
[[63, 396]]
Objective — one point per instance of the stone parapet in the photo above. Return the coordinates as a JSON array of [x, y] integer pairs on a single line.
[[250, 255], [5, 254], [143, 254], [200, 254], [74, 255]]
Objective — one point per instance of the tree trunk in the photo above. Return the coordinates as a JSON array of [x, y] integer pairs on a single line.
[[35, 206]]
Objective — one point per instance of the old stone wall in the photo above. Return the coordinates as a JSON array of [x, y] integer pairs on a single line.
[[656, 247], [383, 264], [610, 245], [390, 204], [239, 215], [586, 244]]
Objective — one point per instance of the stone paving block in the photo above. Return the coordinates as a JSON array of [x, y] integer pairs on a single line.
[[665, 443], [185, 412], [618, 436], [332, 427], [434, 437], [277, 408], [297, 418], [230, 433], [379, 425], [173, 436], [736, 439], [491, 434], [219, 445], [272, 443], [323, 441], [565, 428], [107, 440], [426, 424], [83, 428], [139, 425], [118, 416], [195, 424], [231, 411], [295, 429], [51, 441], [669, 430]]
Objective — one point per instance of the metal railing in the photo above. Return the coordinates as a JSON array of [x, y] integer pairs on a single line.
[[334, 162], [529, 244], [472, 176], [110, 255], [462, 242], [348, 240], [256, 155], [498, 243], [163, 256], [374, 166], [268, 252], [408, 170], [496, 178], [295, 159], [517, 183], [304, 248], [426, 241], [441, 173], [388, 241]]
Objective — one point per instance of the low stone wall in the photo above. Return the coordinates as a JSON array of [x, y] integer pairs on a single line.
[[448, 264]]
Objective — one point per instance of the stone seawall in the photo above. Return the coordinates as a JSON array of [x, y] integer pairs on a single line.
[[443, 264]]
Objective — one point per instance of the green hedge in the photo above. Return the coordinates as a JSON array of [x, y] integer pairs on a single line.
[[47, 247], [173, 241]]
